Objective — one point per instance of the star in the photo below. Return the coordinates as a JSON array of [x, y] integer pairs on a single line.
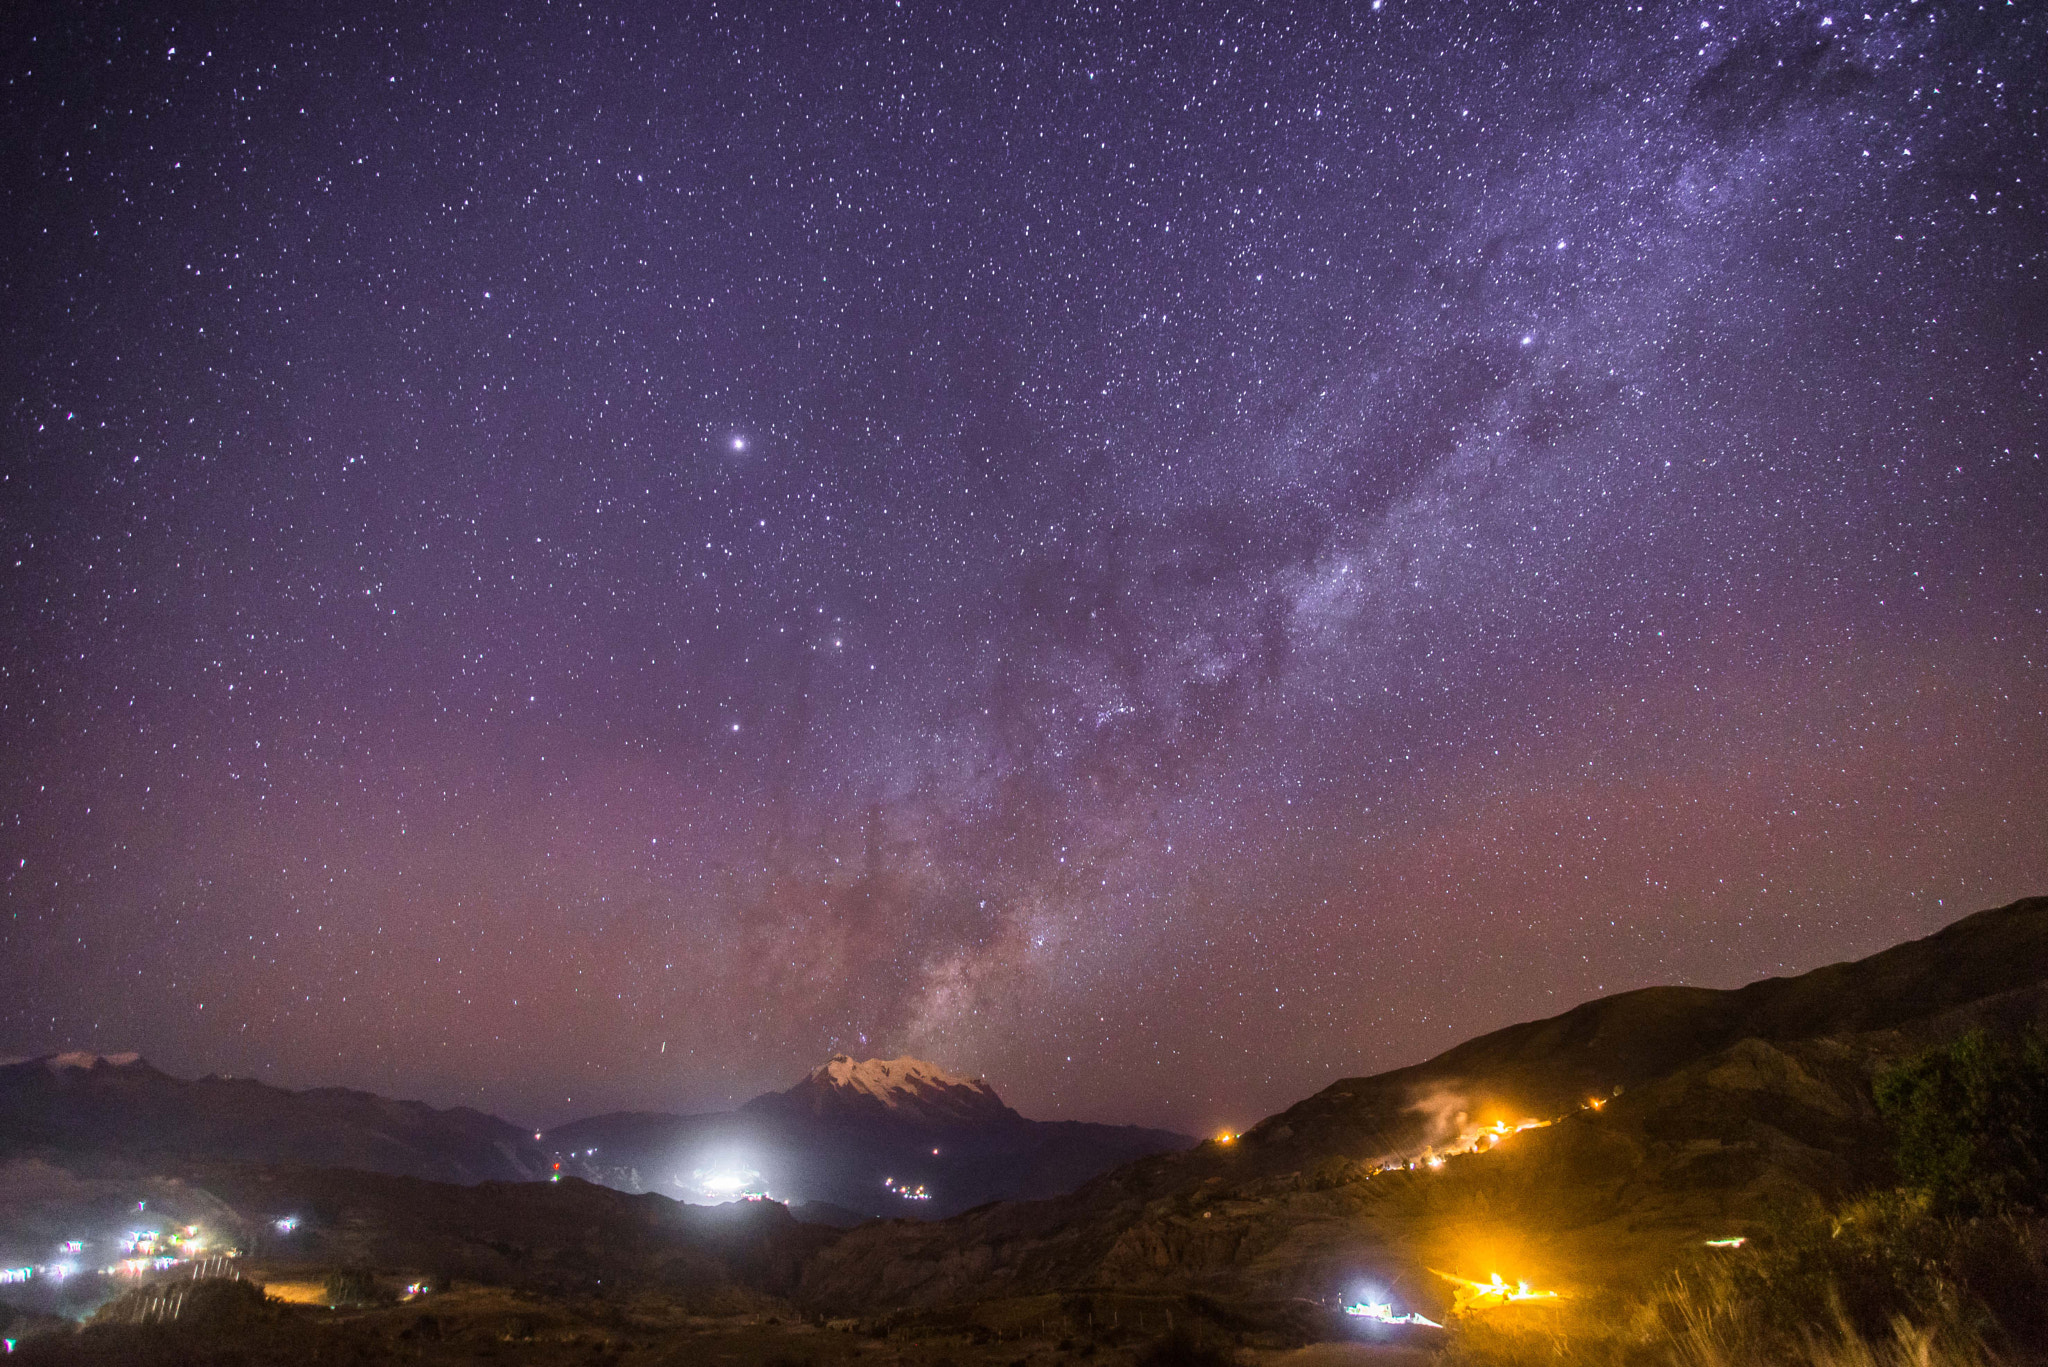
[[1234, 611]]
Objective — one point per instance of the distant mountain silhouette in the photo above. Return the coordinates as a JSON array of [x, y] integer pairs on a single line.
[[877, 1137], [851, 1141], [85, 1109]]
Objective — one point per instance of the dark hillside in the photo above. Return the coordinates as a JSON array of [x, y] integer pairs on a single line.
[[1731, 1105], [1547, 1067], [567, 1237]]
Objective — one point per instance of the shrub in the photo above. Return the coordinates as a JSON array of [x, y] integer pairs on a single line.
[[1969, 1123], [1877, 1260]]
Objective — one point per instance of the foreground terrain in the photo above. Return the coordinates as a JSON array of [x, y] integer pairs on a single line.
[[1624, 1170], [501, 1325]]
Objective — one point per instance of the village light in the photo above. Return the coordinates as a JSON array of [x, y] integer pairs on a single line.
[[1474, 1139], [1491, 1294], [1382, 1312]]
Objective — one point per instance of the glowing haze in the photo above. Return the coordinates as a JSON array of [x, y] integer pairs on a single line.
[[593, 557]]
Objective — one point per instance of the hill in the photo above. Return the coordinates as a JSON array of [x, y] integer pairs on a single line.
[[1655, 1120], [563, 1238]]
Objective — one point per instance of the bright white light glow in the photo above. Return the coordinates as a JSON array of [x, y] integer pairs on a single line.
[[725, 1177]]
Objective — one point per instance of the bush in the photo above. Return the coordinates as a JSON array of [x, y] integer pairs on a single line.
[[1969, 1123], [1877, 1260]]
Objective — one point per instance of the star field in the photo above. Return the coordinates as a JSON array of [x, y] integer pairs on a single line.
[[587, 556]]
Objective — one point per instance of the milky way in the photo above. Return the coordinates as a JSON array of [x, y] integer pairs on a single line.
[[591, 557]]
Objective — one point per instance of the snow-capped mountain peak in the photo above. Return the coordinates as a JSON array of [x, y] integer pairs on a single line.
[[891, 1081], [908, 1090], [85, 1060]]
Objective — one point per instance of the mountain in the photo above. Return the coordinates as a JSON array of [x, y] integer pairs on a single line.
[[852, 1140], [855, 1139], [1590, 1151], [906, 1090], [84, 1109]]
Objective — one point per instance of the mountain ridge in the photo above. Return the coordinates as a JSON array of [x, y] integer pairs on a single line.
[[870, 1137], [942, 1141], [1660, 1117], [58, 1109], [1628, 1037]]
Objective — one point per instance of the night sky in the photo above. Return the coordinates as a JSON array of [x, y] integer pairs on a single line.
[[592, 556]]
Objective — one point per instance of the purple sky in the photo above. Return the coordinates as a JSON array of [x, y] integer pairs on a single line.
[[589, 559]]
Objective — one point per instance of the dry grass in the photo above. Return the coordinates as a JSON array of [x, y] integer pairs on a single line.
[[297, 1293], [1492, 1345]]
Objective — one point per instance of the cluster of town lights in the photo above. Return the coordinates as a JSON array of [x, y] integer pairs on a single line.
[[1382, 1312], [144, 1250], [1470, 1295], [1473, 1139], [1491, 1294]]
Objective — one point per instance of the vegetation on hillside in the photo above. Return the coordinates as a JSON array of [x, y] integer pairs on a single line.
[[1947, 1269], [1970, 1123]]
